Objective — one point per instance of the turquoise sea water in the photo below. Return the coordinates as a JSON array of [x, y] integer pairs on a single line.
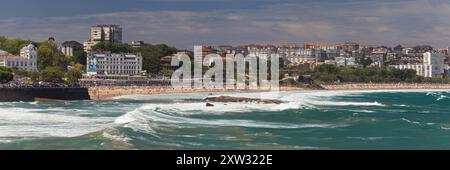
[[415, 119]]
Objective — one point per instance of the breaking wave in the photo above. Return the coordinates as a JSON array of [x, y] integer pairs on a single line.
[[439, 95], [20, 123], [150, 116]]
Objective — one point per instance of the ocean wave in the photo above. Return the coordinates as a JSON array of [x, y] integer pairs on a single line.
[[445, 128], [294, 100], [152, 116], [170, 97], [439, 96], [21, 123], [336, 103]]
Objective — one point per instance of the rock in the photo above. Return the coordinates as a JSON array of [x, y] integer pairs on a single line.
[[228, 99], [209, 105]]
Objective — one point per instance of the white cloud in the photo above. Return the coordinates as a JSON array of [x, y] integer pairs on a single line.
[[382, 22]]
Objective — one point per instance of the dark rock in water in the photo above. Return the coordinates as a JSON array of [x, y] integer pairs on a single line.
[[228, 99], [209, 105]]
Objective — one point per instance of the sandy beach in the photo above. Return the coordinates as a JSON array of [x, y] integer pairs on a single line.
[[105, 93]]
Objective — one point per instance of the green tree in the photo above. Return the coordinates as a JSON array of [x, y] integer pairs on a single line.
[[112, 47], [34, 77], [6, 75], [73, 75], [50, 56], [330, 73], [151, 56], [53, 74], [13, 46], [80, 56]]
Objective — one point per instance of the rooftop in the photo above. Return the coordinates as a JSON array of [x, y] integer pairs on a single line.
[[322, 44], [106, 25], [71, 44]]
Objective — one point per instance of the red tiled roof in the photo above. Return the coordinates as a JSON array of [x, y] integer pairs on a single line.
[[166, 58], [12, 58]]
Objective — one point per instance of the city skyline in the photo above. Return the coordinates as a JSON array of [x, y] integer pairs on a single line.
[[184, 23]]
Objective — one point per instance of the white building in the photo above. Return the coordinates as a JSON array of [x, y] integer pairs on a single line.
[[432, 65], [436, 60], [99, 33], [68, 47], [299, 55], [137, 44], [322, 46], [2, 55], [421, 69], [114, 64], [27, 60], [345, 61], [262, 52], [407, 50], [112, 33]]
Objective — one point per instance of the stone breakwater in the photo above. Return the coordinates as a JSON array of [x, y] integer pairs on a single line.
[[47, 94], [383, 86], [104, 93]]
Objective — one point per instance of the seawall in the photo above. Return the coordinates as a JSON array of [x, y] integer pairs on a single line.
[[383, 86], [31, 94]]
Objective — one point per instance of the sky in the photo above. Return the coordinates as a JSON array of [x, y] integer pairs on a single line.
[[185, 23]]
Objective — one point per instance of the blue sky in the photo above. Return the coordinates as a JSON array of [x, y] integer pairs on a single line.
[[184, 23]]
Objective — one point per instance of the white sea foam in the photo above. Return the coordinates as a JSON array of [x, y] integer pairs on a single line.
[[400, 105], [412, 122], [114, 135], [441, 97], [33, 123], [367, 138], [162, 96], [335, 103], [445, 128], [438, 95], [151, 116], [363, 111], [39, 122]]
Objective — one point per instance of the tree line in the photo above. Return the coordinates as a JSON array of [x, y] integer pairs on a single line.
[[327, 73]]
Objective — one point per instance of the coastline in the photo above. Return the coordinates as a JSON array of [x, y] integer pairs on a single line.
[[385, 86], [105, 93]]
